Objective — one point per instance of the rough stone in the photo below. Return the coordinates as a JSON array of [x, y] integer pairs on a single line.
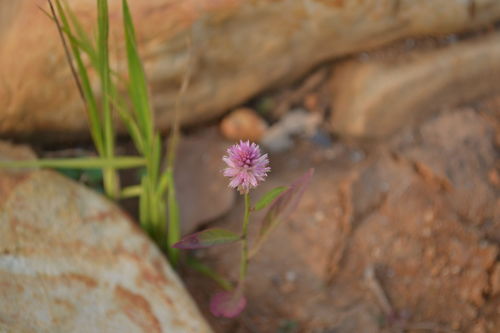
[[70, 261], [374, 98], [495, 280], [239, 48], [432, 253], [202, 191]]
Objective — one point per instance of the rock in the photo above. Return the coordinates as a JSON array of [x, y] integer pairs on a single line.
[[495, 280], [433, 264], [243, 124], [239, 48], [203, 192], [297, 122], [360, 319], [375, 98], [71, 261], [456, 153]]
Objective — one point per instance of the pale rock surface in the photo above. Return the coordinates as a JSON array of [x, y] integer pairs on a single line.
[[70, 261], [239, 48], [374, 98]]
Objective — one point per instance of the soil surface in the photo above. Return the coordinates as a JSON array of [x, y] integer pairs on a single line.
[[400, 236]]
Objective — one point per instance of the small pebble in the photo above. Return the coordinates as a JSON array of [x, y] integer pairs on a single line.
[[321, 139], [243, 124], [291, 276], [357, 156]]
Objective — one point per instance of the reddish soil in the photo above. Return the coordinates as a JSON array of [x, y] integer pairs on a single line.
[[402, 236]]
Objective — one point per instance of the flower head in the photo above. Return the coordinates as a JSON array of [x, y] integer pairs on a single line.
[[246, 166]]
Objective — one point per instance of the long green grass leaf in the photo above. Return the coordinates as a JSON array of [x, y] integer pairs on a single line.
[[104, 73], [131, 191], [84, 41], [80, 163], [138, 84], [144, 205], [91, 104], [130, 124], [173, 231]]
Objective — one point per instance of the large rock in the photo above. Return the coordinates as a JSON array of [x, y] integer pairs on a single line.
[[238, 49], [70, 261], [375, 97]]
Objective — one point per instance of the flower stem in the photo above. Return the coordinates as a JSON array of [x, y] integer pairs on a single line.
[[244, 242]]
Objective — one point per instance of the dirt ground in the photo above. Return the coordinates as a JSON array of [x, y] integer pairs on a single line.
[[400, 236]]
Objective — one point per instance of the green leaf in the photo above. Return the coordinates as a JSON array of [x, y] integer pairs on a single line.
[[131, 191], [104, 74], [207, 238], [84, 41], [137, 84], [90, 101], [129, 122], [174, 230], [281, 207], [267, 198], [79, 163]]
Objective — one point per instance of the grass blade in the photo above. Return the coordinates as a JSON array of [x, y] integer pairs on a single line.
[[79, 163], [104, 73], [86, 87], [138, 84], [84, 41], [111, 179], [173, 231]]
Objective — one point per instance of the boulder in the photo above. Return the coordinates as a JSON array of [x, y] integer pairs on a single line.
[[373, 97], [238, 48], [71, 261]]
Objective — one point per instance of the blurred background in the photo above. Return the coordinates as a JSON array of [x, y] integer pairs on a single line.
[[395, 103]]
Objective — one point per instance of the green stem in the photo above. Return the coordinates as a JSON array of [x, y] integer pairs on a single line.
[[111, 183], [244, 242], [80, 163], [209, 272], [131, 191], [174, 231]]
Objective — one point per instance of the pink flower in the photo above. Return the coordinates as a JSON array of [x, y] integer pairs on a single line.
[[246, 166]]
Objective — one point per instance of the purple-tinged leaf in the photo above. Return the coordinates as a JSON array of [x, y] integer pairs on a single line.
[[207, 238], [267, 198], [282, 206], [227, 304]]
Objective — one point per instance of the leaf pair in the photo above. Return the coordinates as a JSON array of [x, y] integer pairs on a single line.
[[207, 238], [218, 236], [283, 201]]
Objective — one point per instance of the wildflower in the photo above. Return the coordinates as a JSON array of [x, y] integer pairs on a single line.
[[246, 166]]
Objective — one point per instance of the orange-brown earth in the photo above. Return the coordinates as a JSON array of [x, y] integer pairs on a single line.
[[400, 236]]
